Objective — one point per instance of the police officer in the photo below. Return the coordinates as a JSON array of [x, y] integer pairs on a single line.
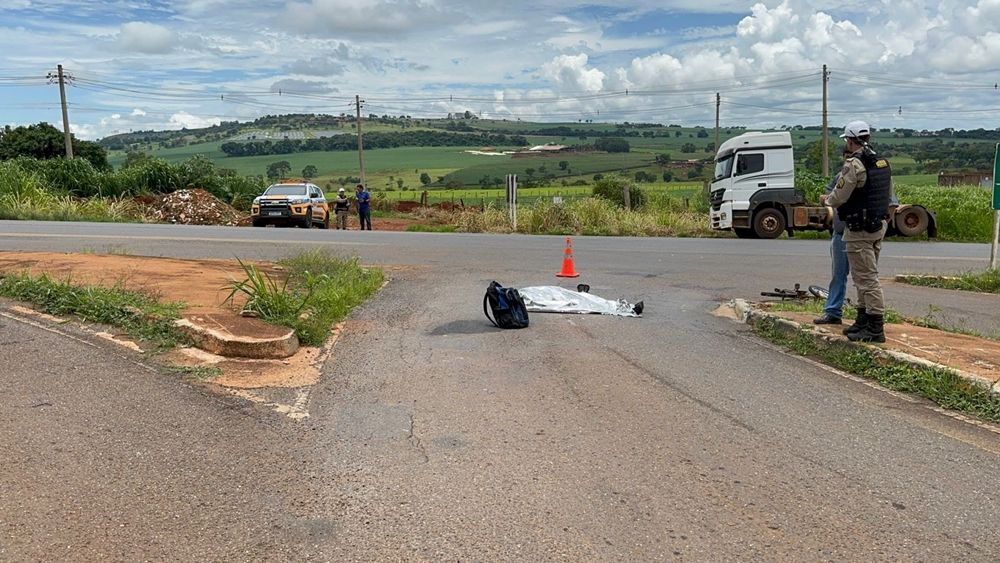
[[861, 198]]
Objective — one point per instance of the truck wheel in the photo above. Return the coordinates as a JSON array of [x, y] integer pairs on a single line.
[[769, 223], [745, 233], [912, 221], [326, 221], [307, 221]]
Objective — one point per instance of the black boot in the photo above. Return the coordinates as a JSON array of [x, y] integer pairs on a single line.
[[874, 331], [860, 322]]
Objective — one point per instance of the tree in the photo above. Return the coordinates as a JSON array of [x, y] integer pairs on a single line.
[[399, 183], [425, 178], [43, 141], [668, 176], [662, 159], [689, 148], [611, 188], [133, 158], [612, 144], [563, 164], [309, 172], [813, 160], [278, 169]]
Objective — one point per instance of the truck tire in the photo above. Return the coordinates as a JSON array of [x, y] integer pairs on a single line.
[[769, 223], [912, 221], [745, 233], [307, 221], [326, 221]]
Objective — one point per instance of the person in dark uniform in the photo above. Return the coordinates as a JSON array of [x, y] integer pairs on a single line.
[[861, 198], [341, 206]]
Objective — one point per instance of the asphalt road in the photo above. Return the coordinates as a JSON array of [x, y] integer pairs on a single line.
[[677, 436]]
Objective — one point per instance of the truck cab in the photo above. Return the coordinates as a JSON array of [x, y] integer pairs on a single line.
[[753, 193], [753, 188]]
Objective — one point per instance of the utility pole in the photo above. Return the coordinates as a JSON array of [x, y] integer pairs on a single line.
[[718, 102], [361, 145], [826, 132], [65, 113]]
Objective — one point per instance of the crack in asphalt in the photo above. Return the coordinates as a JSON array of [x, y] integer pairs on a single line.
[[415, 440]]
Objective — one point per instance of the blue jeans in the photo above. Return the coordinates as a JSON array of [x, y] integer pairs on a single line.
[[365, 218], [838, 283]]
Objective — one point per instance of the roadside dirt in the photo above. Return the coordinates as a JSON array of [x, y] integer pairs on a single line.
[[977, 357], [200, 284]]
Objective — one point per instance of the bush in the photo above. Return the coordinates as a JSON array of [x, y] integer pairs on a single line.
[[611, 188], [813, 184]]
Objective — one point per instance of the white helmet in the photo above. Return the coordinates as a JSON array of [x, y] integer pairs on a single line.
[[856, 129]]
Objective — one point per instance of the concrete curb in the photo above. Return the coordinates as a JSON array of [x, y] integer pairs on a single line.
[[751, 316], [224, 343]]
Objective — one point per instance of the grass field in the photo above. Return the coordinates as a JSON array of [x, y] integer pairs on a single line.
[[678, 190]]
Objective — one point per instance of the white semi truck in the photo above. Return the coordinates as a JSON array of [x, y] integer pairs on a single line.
[[753, 193]]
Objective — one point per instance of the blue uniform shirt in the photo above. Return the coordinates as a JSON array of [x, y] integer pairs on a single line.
[[364, 200]]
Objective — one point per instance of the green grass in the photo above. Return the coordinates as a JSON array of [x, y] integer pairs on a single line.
[[815, 306], [196, 373], [943, 387], [987, 281], [432, 228], [590, 216], [892, 316], [138, 314], [964, 213], [579, 164], [332, 164], [319, 290]]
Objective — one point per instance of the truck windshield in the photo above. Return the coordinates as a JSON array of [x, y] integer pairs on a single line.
[[723, 168], [286, 190]]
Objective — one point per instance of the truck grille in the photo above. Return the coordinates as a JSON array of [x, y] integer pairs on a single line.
[[716, 198]]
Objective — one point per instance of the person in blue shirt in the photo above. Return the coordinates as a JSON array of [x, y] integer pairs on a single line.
[[364, 207]]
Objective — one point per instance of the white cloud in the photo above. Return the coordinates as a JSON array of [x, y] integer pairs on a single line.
[[362, 16], [302, 86], [145, 37], [571, 72], [183, 119], [137, 113]]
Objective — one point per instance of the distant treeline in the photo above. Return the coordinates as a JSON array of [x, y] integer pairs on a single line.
[[375, 140]]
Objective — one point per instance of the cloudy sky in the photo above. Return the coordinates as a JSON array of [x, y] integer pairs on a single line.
[[147, 64]]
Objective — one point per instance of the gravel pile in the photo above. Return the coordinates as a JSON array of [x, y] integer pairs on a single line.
[[193, 207]]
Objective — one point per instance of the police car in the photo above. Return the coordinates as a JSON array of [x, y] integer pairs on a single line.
[[291, 202]]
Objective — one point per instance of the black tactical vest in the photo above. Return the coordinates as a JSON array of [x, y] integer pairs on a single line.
[[868, 205]]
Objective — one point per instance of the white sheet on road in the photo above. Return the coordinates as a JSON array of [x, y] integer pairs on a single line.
[[553, 299]]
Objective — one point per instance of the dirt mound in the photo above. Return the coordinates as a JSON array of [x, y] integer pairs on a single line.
[[407, 206], [193, 207], [410, 206]]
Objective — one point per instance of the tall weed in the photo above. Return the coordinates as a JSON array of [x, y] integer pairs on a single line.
[[964, 213]]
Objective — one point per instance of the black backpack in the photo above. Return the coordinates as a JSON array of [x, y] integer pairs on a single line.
[[507, 306]]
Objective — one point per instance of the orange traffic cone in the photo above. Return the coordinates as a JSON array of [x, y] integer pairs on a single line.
[[568, 269]]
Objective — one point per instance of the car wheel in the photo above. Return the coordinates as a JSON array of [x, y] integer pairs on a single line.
[[769, 223]]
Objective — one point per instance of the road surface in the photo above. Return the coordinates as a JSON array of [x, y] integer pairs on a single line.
[[678, 436]]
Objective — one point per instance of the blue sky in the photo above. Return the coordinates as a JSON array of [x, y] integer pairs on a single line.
[[141, 64]]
